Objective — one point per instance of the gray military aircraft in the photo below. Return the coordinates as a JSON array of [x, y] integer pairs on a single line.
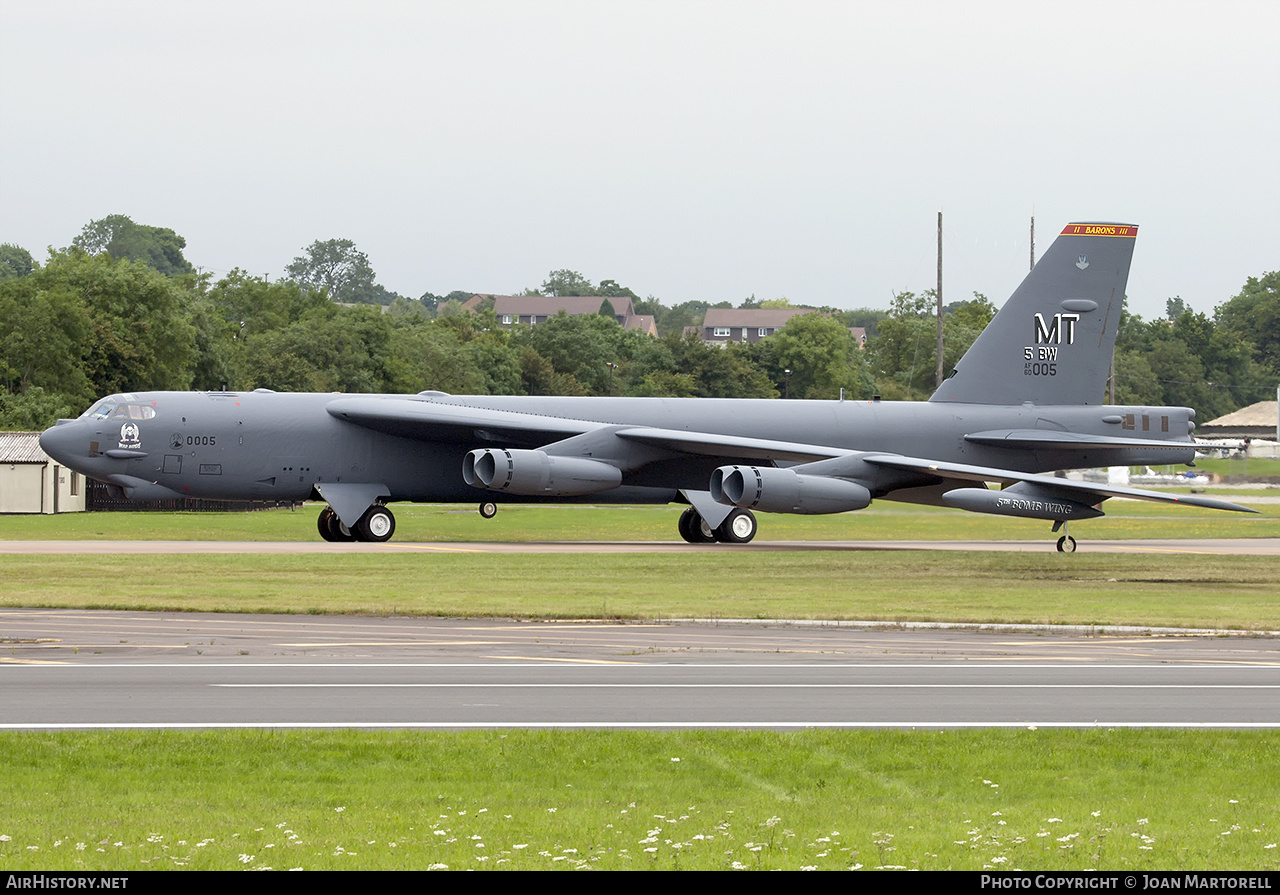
[[1025, 400]]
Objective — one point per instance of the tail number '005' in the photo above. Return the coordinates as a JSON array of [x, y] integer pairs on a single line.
[[204, 440], [1038, 369]]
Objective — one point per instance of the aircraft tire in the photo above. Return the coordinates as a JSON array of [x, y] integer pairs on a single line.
[[377, 525], [488, 509], [1066, 544], [693, 529], [324, 524], [334, 530], [739, 527]]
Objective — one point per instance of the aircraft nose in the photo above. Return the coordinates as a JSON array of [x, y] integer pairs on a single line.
[[64, 441]]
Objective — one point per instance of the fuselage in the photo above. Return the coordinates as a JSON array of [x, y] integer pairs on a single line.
[[277, 446]]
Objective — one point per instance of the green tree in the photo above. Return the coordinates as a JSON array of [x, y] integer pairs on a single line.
[[15, 261], [338, 268], [122, 239], [426, 355], [904, 349], [35, 409], [47, 332], [823, 358], [566, 282], [330, 349], [580, 346], [716, 372], [1253, 317], [141, 336], [612, 289]]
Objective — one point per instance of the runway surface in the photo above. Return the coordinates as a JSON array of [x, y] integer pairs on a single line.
[[1228, 546], [125, 669]]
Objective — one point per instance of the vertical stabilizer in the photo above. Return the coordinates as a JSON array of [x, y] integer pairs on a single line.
[[1051, 342]]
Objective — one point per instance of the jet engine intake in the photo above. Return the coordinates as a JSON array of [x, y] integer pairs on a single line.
[[773, 490], [537, 473]]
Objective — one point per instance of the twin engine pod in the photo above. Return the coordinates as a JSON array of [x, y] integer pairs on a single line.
[[773, 490], [537, 473]]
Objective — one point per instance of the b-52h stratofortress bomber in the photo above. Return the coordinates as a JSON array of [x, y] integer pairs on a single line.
[[1023, 402]]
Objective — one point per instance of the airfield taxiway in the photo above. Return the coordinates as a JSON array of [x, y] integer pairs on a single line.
[[81, 669]]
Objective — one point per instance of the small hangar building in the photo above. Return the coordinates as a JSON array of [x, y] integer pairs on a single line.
[[30, 480]]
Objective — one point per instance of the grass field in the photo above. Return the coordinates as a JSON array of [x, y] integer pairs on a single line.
[[1054, 800], [1237, 592]]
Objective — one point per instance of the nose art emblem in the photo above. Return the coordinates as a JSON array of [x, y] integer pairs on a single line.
[[129, 436]]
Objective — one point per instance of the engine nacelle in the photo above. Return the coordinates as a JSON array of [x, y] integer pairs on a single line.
[[537, 473], [772, 490], [1024, 501]]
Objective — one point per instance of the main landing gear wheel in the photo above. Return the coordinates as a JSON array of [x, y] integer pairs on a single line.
[[739, 527], [694, 529], [331, 527], [488, 509], [376, 525]]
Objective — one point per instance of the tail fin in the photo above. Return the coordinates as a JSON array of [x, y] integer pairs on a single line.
[[1051, 342]]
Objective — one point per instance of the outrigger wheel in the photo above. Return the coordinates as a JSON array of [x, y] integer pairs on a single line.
[[488, 509], [1066, 543]]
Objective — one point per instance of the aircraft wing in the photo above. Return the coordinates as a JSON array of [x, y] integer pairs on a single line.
[[433, 421], [1084, 492], [455, 423], [709, 445]]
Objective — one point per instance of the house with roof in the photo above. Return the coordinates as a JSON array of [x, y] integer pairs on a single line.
[[530, 310], [723, 325]]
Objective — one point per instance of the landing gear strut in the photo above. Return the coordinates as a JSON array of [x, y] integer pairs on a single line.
[[1066, 543]]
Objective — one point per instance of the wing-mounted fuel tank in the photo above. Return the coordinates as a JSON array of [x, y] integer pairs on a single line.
[[537, 474], [1025, 499], [773, 490]]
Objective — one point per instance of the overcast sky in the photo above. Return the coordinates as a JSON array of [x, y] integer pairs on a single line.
[[689, 150]]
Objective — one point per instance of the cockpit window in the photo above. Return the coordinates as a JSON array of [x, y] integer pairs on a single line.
[[118, 407]]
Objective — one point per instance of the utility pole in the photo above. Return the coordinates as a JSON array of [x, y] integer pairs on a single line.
[[939, 382], [1033, 242]]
